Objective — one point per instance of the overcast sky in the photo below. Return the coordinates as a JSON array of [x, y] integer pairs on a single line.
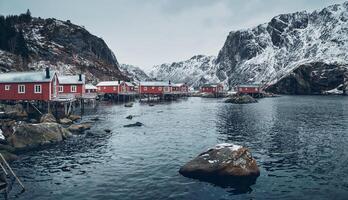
[[150, 32]]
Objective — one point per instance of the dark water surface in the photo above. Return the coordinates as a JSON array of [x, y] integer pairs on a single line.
[[299, 142]]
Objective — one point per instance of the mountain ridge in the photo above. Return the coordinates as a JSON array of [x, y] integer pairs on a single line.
[[60, 45]]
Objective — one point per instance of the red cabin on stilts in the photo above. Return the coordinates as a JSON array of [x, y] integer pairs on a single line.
[[71, 86], [29, 86]]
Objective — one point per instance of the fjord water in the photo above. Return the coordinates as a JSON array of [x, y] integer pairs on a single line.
[[299, 142]]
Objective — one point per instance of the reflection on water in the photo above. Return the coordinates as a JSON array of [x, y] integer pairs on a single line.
[[299, 142]]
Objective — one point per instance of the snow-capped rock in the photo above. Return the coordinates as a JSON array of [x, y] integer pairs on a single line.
[[195, 71], [270, 52], [273, 51], [133, 72], [61, 45]]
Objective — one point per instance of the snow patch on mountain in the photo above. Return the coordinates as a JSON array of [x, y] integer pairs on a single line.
[[133, 72], [195, 71]]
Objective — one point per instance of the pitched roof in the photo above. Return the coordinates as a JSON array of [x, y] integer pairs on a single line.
[[108, 83], [154, 83], [211, 85], [129, 84], [90, 87], [178, 84], [71, 79], [249, 85], [26, 77]]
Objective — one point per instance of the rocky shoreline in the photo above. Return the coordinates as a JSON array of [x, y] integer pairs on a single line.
[[19, 132]]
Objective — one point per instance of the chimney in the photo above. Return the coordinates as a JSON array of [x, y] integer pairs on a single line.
[[80, 77], [169, 82], [48, 72], [119, 81]]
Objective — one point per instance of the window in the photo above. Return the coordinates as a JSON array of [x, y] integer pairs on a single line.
[[37, 89], [145, 88], [73, 88], [7, 87], [61, 88], [21, 89], [153, 88], [160, 88], [256, 89]]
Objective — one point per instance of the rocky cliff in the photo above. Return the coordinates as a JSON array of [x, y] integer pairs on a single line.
[[274, 53], [133, 72], [293, 45], [28, 43]]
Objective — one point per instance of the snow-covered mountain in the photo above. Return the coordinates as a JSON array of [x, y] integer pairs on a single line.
[[29, 43], [274, 53], [195, 71], [133, 72]]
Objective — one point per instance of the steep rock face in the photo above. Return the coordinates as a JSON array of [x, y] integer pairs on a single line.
[[311, 78], [134, 72], [63, 46], [196, 71], [271, 51]]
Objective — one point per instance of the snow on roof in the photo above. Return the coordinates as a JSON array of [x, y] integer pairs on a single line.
[[90, 87], [154, 83], [129, 84], [178, 84], [211, 85], [108, 83], [71, 79], [26, 77], [249, 85]]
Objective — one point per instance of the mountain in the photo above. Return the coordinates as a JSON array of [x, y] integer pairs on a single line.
[[29, 43], [195, 71], [133, 72], [302, 50]]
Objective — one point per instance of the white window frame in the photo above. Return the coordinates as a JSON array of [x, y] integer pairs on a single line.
[[38, 91], [61, 89], [20, 91], [145, 88], [7, 87], [73, 88]]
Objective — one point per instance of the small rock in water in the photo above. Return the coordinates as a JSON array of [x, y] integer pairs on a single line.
[[107, 130], [134, 125], [74, 117], [130, 104], [95, 119], [151, 104], [79, 128], [129, 117], [225, 164], [65, 121]]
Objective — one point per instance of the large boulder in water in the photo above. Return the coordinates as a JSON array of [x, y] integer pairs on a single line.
[[28, 136], [243, 99], [225, 164], [47, 118]]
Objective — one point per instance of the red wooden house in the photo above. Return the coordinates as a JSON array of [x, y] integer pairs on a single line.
[[250, 89], [212, 88], [155, 87], [180, 88], [39, 85], [71, 86], [90, 89], [115, 87]]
